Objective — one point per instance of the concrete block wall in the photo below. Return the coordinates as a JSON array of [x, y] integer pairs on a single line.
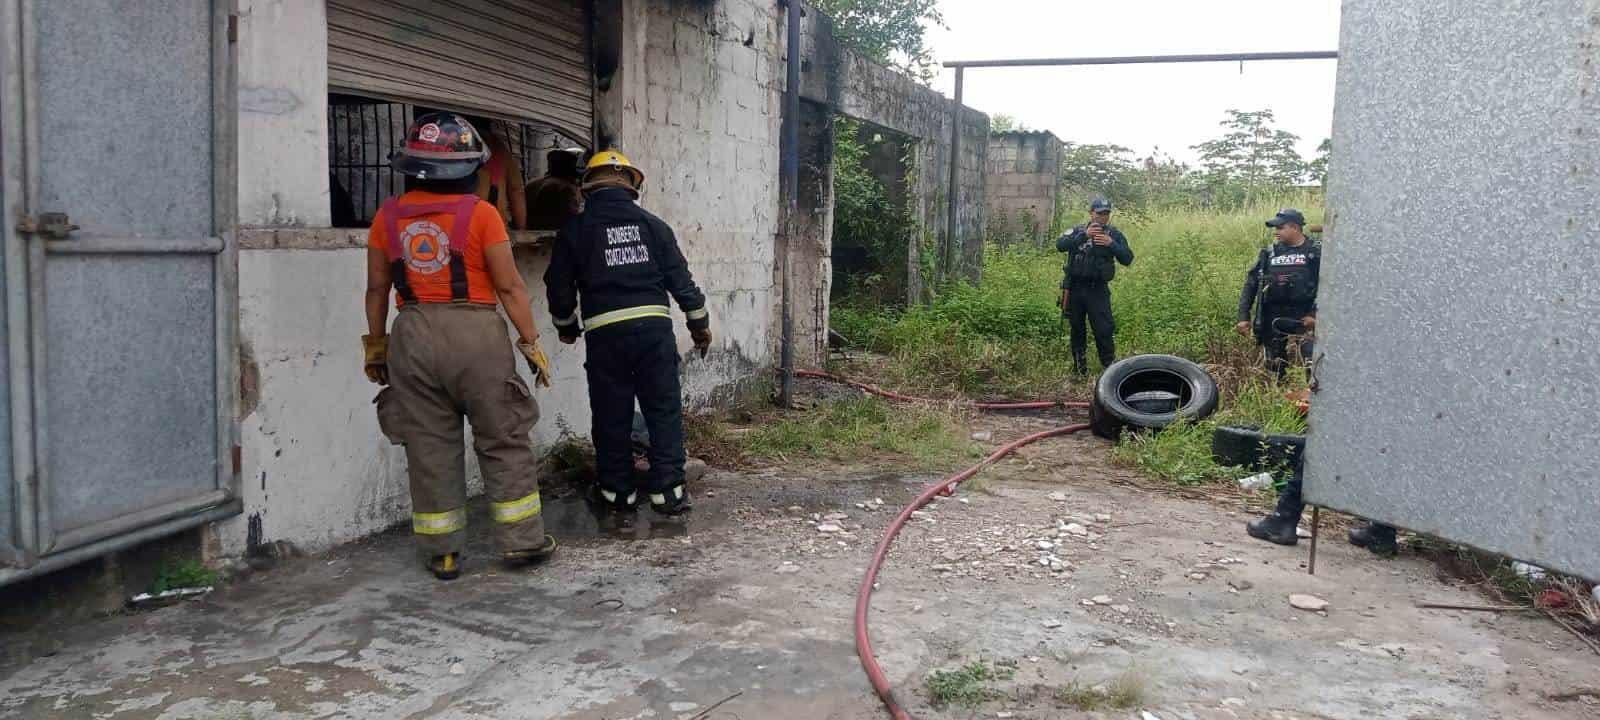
[[1023, 185], [840, 79], [697, 107]]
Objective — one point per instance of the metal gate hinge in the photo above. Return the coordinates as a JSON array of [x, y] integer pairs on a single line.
[[52, 225]]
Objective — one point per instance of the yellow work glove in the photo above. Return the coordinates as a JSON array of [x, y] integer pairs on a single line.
[[537, 362], [376, 348]]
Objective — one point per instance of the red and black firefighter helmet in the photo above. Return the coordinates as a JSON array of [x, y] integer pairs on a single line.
[[440, 146]]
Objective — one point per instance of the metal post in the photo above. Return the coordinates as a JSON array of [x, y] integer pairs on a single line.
[[1148, 59], [1316, 529], [953, 202], [790, 161]]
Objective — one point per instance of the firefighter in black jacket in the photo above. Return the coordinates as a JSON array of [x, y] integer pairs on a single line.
[[1093, 251], [1282, 289], [624, 262]]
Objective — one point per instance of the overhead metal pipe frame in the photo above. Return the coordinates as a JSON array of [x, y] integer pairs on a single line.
[[953, 203]]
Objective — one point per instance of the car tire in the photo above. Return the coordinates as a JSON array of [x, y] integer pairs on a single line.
[[1129, 384]]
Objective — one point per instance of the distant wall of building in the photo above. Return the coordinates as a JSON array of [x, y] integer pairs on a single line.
[[1023, 186]]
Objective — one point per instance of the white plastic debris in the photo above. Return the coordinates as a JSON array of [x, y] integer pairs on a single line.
[[1533, 573], [169, 595], [1259, 481]]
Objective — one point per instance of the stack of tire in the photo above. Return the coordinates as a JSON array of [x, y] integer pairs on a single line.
[[1150, 392]]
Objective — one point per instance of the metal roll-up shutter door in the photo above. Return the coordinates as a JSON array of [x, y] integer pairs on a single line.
[[524, 59]]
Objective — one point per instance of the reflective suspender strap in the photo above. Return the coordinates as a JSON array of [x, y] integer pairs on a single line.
[[396, 252], [461, 226]]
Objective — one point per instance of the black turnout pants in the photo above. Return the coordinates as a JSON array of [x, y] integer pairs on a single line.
[[637, 359]]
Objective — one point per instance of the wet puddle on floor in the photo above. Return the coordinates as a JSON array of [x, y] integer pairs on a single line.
[[570, 517]]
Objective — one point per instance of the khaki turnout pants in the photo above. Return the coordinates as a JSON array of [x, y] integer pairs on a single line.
[[447, 361]]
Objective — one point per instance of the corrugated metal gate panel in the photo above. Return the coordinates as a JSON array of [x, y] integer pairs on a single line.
[[1459, 399], [524, 60], [130, 428]]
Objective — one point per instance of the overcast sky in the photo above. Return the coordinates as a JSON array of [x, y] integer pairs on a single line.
[[1144, 106]]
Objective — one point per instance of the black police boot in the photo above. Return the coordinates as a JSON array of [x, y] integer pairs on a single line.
[[612, 501], [1377, 538], [1275, 528], [672, 501]]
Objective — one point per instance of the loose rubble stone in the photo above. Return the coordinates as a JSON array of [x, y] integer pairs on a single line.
[[1240, 585], [458, 669], [836, 516], [983, 436], [829, 528], [1102, 518], [1198, 576], [1076, 529], [1103, 600], [1058, 496], [1308, 602], [1044, 545], [1052, 624]]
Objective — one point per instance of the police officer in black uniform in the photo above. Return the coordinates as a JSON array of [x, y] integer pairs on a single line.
[[624, 262], [1282, 290], [1093, 251]]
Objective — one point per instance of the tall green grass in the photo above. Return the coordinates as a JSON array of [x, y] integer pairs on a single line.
[[1005, 337]]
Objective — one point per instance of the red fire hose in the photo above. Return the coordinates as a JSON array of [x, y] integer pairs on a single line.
[[869, 662]]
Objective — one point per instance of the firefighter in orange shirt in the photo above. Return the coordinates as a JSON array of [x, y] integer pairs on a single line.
[[447, 256]]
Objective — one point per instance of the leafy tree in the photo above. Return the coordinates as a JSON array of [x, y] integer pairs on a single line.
[[1252, 153], [1003, 123], [1318, 167], [892, 32]]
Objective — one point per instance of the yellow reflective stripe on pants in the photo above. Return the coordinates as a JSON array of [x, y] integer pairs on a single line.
[[625, 314], [441, 523], [516, 510]]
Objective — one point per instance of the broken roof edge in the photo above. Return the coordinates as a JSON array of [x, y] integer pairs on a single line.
[[1026, 133]]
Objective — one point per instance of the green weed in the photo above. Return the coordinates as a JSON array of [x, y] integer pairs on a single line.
[[1125, 692], [966, 686], [854, 428], [176, 574]]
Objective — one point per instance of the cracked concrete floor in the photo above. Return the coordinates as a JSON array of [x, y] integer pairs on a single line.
[[748, 600]]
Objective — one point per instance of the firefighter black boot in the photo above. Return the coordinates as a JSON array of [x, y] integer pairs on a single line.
[[612, 501], [445, 567], [1377, 538], [672, 501]]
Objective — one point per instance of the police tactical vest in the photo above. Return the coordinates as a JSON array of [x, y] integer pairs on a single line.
[[1084, 264], [1289, 275]]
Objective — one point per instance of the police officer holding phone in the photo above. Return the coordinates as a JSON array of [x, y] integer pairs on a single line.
[[1093, 251]]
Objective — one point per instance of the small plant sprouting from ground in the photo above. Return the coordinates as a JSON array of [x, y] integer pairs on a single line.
[[179, 574], [1124, 692], [968, 685]]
